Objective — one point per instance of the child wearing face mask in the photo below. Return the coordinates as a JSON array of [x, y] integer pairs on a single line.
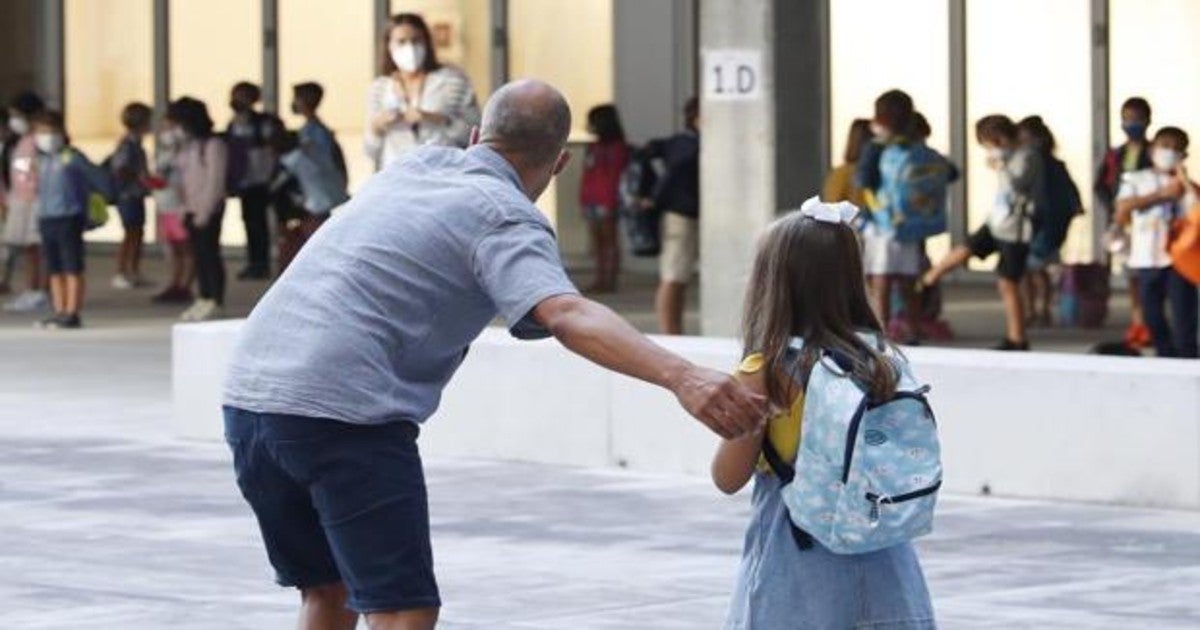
[[1009, 228], [172, 233], [1149, 203], [18, 205], [66, 181], [1133, 155], [250, 169]]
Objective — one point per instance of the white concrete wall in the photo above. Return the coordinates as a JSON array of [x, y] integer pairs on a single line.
[[1070, 427]]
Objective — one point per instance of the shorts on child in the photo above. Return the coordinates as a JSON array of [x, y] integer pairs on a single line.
[[595, 213], [21, 224], [680, 248], [171, 228], [133, 213], [883, 255], [1014, 257], [62, 244], [1041, 263]]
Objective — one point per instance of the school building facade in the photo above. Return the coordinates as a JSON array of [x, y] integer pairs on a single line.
[[780, 81]]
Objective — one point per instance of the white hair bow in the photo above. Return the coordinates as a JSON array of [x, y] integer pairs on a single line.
[[840, 212]]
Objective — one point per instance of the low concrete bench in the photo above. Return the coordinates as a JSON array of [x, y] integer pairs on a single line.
[[1045, 426]]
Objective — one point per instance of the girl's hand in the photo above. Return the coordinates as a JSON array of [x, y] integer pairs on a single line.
[[385, 119]]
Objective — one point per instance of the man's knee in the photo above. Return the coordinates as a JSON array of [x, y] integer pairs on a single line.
[[326, 595], [422, 619]]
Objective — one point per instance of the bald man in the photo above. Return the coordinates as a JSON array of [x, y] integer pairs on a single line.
[[348, 353]]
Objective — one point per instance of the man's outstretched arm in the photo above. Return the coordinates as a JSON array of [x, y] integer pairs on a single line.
[[596, 333]]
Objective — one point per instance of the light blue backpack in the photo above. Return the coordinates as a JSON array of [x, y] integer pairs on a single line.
[[866, 475], [913, 196]]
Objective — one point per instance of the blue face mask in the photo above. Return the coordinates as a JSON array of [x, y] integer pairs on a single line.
[[1135, 130]]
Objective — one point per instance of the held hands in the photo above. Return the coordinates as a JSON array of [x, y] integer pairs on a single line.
[[385, 119], [722, 404]]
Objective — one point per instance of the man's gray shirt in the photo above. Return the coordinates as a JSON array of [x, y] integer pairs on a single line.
[[374, 316]]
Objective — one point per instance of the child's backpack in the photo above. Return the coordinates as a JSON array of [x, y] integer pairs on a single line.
[[1083, 295], [913, 195], [639, 180], [867, 472], [242, 152], [1185, 247], [88, 191], [1063, 204]]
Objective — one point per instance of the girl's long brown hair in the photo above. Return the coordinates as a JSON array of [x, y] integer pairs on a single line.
[[808, 282]]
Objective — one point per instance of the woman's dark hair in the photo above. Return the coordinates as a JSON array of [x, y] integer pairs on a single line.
[[1139, 105], [386, 66], [1039, 133], [995, 127], [894, 110], [192, 116], [860, 134], [606, 123], [136, 116], [28, 103], [808, 282]]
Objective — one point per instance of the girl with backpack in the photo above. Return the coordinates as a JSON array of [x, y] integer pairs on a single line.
[[1050, 223], [808, 284]]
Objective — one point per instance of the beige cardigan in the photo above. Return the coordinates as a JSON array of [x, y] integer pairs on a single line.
[[201, 166], [447, 91]]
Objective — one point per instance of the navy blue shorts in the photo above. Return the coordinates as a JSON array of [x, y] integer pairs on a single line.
[[338, 502], [62, 245], [133, 213]]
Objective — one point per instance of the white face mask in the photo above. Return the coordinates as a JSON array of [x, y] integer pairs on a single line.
[[996, 154], [18, 125], [408, 57], [1164, 159], [48, 142], [167, 138]]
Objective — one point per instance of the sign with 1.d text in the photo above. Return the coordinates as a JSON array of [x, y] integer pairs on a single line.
[[733, 75]]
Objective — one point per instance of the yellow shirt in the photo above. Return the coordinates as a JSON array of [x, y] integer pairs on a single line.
[[839, 186], [784, 428]]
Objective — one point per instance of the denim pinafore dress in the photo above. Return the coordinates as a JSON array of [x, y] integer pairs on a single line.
[[781, 587]]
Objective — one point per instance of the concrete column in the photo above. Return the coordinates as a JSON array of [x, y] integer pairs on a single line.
[[51, 59], [762, 154], [270, 61], [654, 65], [1101, 110], [960, 129], [499, 16], [162, 55]]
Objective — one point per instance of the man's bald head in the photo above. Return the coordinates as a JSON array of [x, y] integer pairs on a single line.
[[527, 120]]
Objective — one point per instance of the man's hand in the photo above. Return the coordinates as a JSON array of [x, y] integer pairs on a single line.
[[724, 405]]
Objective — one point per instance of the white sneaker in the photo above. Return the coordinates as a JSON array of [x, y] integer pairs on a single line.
[[209, 311], [190, 314], [28, 302], [121, 283]]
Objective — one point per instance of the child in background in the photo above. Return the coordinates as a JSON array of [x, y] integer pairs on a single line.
[[839, 184], [599, 196], [20, 205], [1149, 203], [1010, 225], [322, 188], [130, 166], [1133, 155], [314, 133], [808, 282], [66, 181], [1050, 223], [171, 231]]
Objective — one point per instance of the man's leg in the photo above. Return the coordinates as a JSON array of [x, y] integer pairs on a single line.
[[58, 293], [324, 608], [425, 619], [668, 304]]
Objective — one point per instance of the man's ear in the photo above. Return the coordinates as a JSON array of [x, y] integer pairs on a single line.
[[563, 158], [474, 139]]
